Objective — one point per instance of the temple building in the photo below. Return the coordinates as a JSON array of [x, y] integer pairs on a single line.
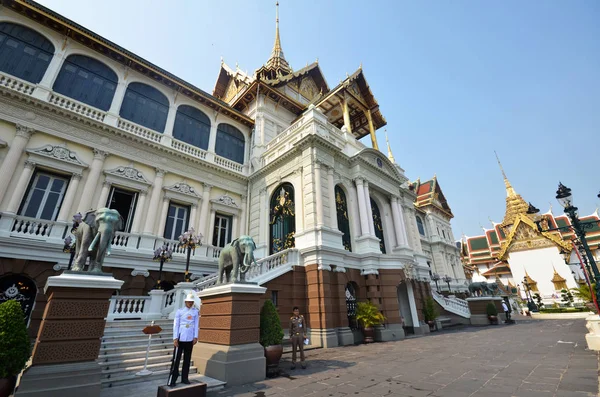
[[276, 155], [522, 259]]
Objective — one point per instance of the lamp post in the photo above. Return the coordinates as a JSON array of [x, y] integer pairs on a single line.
[[189, 240], [436, 277], [69, 244], [447, 280], [565, 198], [530, 304], [162, 254]]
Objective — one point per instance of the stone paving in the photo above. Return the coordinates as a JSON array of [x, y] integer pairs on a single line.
[[533, 358]]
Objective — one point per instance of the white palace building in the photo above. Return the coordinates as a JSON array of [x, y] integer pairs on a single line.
[[275, 155]]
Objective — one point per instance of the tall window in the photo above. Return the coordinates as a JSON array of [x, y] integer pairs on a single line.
[[341, 207], [87, 80], [24, 53], [420, 226], [192, 126], [378, 225], [177, 221], [145, 106], [230, 143], [222, 230], [44, 197], [124, 201], [283, 219]]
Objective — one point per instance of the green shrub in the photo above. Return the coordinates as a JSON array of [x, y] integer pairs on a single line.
[[491, 309], [14, 342], [565, 310], [271, 333], [368, 314], [430, 312]]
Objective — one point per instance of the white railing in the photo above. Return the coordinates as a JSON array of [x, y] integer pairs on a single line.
[[273, 266], [168, 305], [173, 245], [31, 228], [122, 307], [213, 252], [139, 130], [226, 163], [207, 281], [121, 239], [76, 107], [16, 84], [188, 149], [453, 305]]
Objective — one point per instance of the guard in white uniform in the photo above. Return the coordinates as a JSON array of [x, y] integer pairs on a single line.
[[185, 334]]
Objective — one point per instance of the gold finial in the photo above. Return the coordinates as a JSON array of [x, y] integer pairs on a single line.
[[490, 219], [277, 62], [360, 67], [509, 189], [317, 60], [347, 75], [390, 155], [222, 60]]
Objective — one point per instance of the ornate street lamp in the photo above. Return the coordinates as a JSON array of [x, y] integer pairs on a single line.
[[69, 246], [447, 280], [436, 277], [565, 198], [189, 240], [162, 254], [530, 304]]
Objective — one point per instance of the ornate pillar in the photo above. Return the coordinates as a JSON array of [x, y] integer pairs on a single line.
[[169, 125], [67, 204], [372, 131], [318, 194], [92, 181], [346, 113], [193, 214], [115, 106], [212, 138], [154, 201], [369, 209], [162, 221], [243, 215], [17, 196], [332, 208], [403, 224], [8, 166], [396, 218], [235, 233], [263, 223], [362, 207], [211, 228], [44, 87], [203, 228], [139, 211]]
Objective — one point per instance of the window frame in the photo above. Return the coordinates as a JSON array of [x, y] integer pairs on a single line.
[[224, 148], [182, 117], [31, 188], [228, 230], [132, 208], [138, 118], [420, 223], [186, 222]]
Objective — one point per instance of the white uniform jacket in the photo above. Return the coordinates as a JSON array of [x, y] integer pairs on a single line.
[[185, 326]]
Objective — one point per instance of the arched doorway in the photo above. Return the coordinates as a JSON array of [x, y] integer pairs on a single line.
[[20, 288], [282, 219], [351, 290], [404, 307]]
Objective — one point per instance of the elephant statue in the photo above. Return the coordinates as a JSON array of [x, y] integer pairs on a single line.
[[235, 259], [93, 238], [483, 288]]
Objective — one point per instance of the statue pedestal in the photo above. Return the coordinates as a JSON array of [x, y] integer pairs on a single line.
[[67, 346], [478, 308], [228, 346]]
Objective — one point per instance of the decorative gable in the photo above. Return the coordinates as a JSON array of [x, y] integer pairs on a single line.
[[58, 157], [127, 176], [183, 188]]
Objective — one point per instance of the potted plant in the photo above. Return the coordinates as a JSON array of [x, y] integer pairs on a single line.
[[370, 316], [271, 333], [430, 313], [492, 313], [14, 345]]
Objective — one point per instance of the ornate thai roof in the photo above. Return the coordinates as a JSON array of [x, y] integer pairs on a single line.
[[430, 193], [557, 278], [515, 204], [277, 65]]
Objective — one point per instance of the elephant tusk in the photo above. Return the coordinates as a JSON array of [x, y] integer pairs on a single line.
[[94, 242]]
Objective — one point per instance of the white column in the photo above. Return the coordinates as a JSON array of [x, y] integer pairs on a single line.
[[202, 227], [44, 87], [403, 225], [154, 202], [7, 169], [235, 233], [139, 211], [19, 191], [318, 195], [243, 216], [115, 106], [211, 227], [332, 208], [92, 181], [104, 194], [411, 302], [67, 204], [362, 207], [162, 221], [169, 124], [369, 209], [193, 215], [396, 218], [263, 223], [212, 138]]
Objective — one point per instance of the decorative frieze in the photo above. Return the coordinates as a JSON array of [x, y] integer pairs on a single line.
[[225, 200], [183, 188], [58, 153], [128, 173]]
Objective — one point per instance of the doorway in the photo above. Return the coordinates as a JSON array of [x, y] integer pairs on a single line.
[[404, 307], [124, 202]]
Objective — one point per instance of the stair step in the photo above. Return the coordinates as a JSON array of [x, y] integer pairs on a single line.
[[112, 357], [121, 347], [141, 341], [137, 361], [151, 383], [128, 323], [106, 373], [133, 378], [136, 336]]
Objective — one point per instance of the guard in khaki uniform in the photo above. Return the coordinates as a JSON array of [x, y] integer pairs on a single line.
[[297, 335], [185, 334]]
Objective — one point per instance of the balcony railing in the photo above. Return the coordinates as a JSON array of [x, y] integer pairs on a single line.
[[138, 130], [123, 307], [77, 107], [16, 84], [226, 163], [31, 228], [188, 149]]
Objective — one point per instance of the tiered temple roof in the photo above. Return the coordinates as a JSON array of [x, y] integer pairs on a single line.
[[429, 193]]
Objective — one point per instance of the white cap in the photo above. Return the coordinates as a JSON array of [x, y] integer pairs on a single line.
[[190, 298]]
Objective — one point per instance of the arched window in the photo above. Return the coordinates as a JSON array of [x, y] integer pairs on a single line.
[[341, 206], [420, 226], [351, 290], [145, 106], [24, 53], [282, 218], [87, 80], [192, 126], [230, 143], [378, 225]]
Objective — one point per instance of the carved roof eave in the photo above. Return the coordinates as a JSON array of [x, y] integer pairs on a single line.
[[313, 69], [224, 77], [80, 34], [525, 219], [94, 123], [248, 94]]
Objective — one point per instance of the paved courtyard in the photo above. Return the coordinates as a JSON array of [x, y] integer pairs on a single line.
[[534, 358]]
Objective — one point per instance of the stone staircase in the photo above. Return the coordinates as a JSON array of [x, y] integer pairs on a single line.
[[123, 352]]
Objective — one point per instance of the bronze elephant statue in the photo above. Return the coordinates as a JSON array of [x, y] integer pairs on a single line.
[[482, 287], [235, 259], [93, 238]]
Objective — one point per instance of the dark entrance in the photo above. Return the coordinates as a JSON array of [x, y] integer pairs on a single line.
[[351, 306], [19, 288], [124, 202]]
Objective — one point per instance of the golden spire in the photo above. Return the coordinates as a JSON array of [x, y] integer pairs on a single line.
[[390, 155], [277, 62], [509, 189]]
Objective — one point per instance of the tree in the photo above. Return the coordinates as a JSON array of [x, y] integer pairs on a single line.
[[566, 297], [583, 292], [271, 333], [14, 342], [538, 300]]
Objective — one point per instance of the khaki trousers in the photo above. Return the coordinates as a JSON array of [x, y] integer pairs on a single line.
[[298, 342]]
